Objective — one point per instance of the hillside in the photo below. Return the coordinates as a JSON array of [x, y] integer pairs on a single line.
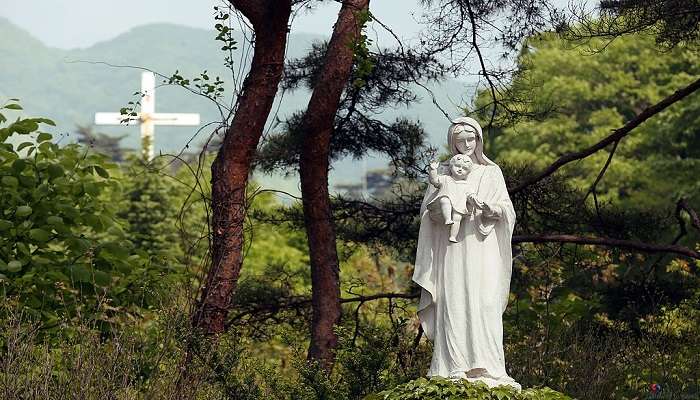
[[69, 86]]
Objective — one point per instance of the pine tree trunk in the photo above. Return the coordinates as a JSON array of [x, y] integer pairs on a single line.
[[231, 167], [317, 126]]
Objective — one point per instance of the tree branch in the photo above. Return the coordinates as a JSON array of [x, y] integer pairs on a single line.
[[614, 137], [608, 242], [484, 72], [694, 219], [253, 10], [302, 302]]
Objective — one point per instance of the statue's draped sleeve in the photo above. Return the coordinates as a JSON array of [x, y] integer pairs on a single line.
[[491, 190], [502, 222]]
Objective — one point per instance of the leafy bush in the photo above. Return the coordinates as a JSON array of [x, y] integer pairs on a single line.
[[441, 389], [63, 252]]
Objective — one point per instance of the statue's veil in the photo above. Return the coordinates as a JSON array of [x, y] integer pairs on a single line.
[[479, 151]]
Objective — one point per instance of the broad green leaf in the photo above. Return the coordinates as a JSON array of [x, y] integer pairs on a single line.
[[55, 171], [101, 172], [43, 136], [41, 260], [102, 278], [24, 145], [45, 121], [39, 235], [5, 224], [27, 181], [24, 127], [80, 274], [23, 248], [116, 249], [9, 181], [78, 245], [19, 164], [94, 222], [14, 266], [13, 107], [54, 220], [91, 189], [23, 211]]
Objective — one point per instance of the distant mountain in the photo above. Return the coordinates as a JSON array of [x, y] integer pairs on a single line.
[[69, 86]]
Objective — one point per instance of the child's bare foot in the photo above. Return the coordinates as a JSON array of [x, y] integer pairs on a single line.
[[453, 239], [449, 222]]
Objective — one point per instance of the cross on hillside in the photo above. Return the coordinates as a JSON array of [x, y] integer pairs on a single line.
[[148, 117]]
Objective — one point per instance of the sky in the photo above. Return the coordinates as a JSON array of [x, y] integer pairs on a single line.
[[68, 24]]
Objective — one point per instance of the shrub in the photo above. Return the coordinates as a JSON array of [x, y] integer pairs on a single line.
[[441, 389]]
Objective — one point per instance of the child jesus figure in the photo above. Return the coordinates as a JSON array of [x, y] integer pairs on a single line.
[[452, 192]]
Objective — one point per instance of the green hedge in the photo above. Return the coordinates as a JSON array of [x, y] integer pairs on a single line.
[[446, 389]]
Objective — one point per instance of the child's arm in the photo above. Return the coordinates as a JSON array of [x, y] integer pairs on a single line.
[[433, 175]]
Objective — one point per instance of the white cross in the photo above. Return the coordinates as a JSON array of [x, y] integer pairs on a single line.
[[148, 117]]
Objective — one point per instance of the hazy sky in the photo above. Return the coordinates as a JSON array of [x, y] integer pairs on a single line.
[[81, 23]]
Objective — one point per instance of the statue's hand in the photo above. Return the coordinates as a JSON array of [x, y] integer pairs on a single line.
[[490, 212], [475, 202], [434, 165]]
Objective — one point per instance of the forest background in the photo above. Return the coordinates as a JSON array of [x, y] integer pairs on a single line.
[[102, 256]]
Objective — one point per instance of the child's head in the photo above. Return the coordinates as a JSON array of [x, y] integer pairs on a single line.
[[460, 166]]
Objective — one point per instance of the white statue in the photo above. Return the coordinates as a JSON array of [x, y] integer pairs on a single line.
[[464, 272]]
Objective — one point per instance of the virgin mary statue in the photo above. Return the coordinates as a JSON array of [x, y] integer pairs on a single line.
[[465, 284]]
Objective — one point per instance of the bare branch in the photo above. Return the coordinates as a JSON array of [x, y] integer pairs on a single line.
[[608, 242], [592, 189], [484, 71], [303, 302]]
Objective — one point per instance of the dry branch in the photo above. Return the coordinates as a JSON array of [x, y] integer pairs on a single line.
[[608, 242]]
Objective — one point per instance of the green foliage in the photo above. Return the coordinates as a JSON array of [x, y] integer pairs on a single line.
[[203, 85], [59, 242], [362, 57], [150, 211], [580, 95], [441, 389], [65, 252]]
